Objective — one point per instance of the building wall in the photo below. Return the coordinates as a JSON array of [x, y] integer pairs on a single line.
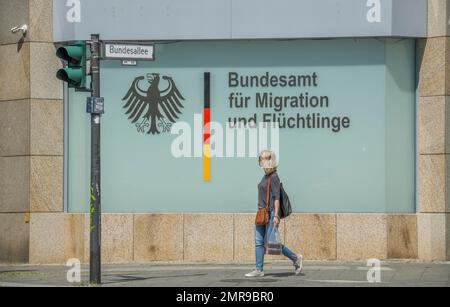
[[35, 229], [434, 119], [220, 238], [31, 124]]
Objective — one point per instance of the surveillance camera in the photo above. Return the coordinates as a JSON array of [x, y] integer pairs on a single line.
[[23, 29]]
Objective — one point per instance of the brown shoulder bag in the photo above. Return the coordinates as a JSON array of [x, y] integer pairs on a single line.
[[262, 216]]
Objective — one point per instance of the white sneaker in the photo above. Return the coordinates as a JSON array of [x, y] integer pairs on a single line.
[[298, 264], [255, 273]]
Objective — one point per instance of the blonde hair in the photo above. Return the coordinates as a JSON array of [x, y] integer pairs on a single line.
[[268, 161]]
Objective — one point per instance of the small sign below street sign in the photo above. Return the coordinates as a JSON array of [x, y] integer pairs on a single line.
[[122, 51], [129, 63]]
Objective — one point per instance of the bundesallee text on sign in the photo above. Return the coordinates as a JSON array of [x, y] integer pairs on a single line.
[[129, 51]]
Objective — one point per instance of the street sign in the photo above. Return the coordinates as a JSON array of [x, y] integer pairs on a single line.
[[122, 51], [95, 105]]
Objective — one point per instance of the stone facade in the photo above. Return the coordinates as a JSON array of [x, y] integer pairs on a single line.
[[31, 142], [35, 229], [434, 138], [220, 238]]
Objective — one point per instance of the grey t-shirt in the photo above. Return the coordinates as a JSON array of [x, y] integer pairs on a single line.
[[274, 190]]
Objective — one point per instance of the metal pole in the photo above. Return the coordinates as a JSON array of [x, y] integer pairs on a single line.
[[95, 208]]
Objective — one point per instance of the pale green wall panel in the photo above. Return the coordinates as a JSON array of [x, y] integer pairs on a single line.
[[354, 170]]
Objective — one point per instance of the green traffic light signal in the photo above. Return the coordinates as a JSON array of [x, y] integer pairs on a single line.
[[75, 72], [73, 76]]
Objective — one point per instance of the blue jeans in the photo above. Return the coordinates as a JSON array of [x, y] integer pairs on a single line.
[[261, 233]]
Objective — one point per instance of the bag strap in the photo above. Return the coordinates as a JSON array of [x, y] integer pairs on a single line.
[[268, 193]]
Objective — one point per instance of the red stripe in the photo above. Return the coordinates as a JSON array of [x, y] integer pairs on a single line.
[[207, 115], [207, 139], [206, 125]]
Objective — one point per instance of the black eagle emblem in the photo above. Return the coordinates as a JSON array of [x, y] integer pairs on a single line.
[[153, 105]]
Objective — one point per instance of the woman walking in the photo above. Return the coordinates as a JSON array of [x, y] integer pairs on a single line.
[[269, 197]]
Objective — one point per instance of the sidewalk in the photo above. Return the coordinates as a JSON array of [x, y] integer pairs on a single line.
[[278, 274]]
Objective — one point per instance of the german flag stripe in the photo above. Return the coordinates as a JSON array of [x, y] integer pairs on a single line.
[[207, 126], [207, 162], [207, 129]]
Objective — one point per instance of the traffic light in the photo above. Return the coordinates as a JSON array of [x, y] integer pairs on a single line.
[[75, 72]]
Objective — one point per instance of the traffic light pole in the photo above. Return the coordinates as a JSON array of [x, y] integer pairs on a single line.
[[95, 208], [74, 74]]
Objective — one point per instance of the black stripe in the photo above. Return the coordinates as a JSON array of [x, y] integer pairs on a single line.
[[207, 90]]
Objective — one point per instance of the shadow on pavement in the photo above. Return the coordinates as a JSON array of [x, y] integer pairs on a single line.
[[126, 278], [261, 280], [18, 271], [286, 274]]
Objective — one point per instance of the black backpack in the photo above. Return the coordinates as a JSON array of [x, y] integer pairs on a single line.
[[285, 204]]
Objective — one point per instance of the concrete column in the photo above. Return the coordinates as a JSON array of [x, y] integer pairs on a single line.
[[434, 135], [31, 124]]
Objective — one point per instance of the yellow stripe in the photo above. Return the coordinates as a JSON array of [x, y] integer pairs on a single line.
[[206, 162]]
